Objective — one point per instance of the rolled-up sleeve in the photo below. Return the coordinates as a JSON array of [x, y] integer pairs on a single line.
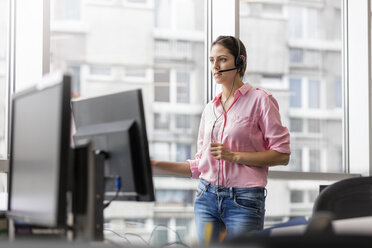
[[194, 163], [275, 134]]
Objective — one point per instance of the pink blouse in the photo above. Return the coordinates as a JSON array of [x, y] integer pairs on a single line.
[[251, 124]]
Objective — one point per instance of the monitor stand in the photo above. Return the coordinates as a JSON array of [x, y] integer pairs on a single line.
[[88, 193]]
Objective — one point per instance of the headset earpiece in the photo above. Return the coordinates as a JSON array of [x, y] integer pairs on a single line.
[[239, 62]]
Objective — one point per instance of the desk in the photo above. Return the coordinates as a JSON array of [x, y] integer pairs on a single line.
[[352, 226]]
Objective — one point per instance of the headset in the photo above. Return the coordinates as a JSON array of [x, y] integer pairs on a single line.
[[239, 61]]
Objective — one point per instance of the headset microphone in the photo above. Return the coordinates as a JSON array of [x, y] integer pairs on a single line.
[[235, 68]]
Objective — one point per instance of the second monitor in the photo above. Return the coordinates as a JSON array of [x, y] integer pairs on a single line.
[[116, 125]]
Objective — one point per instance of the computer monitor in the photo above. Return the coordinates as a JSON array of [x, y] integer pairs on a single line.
[[115, 124], [39, 154]]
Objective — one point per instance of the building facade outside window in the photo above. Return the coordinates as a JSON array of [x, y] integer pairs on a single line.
[[300, 43], [154, 45]]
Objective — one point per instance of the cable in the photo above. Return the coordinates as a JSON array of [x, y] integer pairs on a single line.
[[160, 225], [214, 124], [117, 181], [139, 236], [175, 243], [125, 234], [121, 236]]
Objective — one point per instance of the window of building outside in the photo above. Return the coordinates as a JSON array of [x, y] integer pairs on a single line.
[[154, 45], [300, 43]]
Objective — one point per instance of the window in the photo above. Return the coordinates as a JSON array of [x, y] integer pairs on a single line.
[[296, 125], [162, 85], [314, 93], [314, 125], [183, 121], [183, 152], [183, 87], [303, 48], [315, 161], [161, 121], [295, 88], [296, 160], [295, 25], [162, 10], [303, 22], [156, 46], [296, 55], [297, 196], [4, 22], [67, 10]]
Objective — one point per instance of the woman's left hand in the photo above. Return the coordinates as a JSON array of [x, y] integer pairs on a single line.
[[219, 151]]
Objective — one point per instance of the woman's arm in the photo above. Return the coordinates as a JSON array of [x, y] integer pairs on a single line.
[[265, 158], [178, 168]]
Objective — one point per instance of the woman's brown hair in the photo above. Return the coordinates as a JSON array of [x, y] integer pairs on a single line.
[[235, 48]]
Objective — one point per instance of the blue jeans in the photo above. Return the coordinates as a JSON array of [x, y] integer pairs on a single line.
[[236, 210]]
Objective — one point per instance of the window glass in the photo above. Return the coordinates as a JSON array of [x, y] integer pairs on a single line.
[[4, 22], [157, 46], [297, 196], [161, 121], [295, 24], [303, 50], [183, 121], [315, 162], [295, 89], [296, 125], [162, 87], [296, 55], [183, 152], [314, 93], [313, 125], [183, 87], [295, 163]]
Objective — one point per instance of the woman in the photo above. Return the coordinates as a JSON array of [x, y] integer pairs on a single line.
[[240, 136]]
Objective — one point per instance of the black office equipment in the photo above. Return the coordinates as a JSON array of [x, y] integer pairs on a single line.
[[39, 154], [116, 126], [347, 198]]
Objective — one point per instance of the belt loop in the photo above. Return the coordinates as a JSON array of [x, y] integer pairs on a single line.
[[265, 192], [231, 192], [206, 187]]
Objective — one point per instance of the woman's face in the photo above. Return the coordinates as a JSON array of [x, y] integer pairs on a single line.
[[221, 59]]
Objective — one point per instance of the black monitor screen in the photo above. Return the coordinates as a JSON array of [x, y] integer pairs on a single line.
[[39, 153], [116, 124]]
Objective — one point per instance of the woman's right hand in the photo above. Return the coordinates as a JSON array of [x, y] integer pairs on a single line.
[[153, 163]]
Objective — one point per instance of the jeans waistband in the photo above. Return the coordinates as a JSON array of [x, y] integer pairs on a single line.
[[231, 191]]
